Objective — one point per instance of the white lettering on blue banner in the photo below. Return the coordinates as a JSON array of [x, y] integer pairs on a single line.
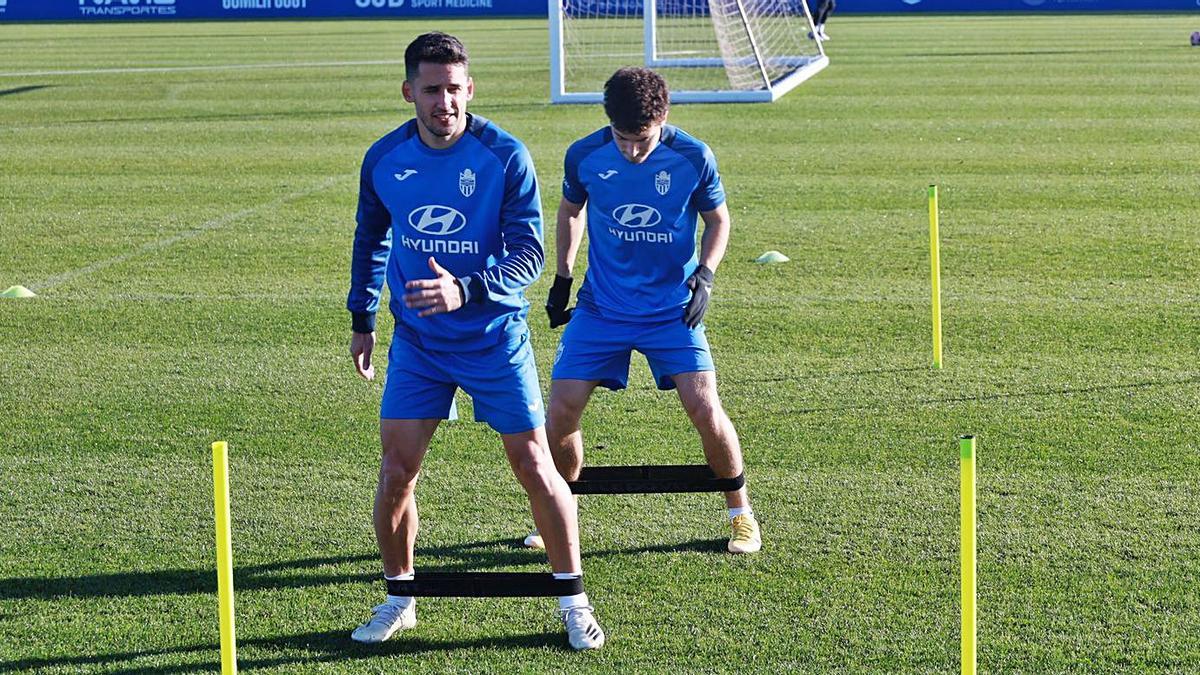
[[263, 4], [127, 7]]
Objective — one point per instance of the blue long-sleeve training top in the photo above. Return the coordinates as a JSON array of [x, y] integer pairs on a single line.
[[474, 207]]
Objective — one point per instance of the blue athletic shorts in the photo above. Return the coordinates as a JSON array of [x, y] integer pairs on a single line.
[[594, 348], [502, 381]]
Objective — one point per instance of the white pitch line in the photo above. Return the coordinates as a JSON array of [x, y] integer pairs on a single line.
[[180, 69], [175, 239]]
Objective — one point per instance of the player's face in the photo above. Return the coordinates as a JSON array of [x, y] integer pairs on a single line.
[[439, 93], [636, 146]]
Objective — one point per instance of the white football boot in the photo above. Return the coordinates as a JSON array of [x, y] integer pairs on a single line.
[[534, 540], [583, 632], [385, 621]]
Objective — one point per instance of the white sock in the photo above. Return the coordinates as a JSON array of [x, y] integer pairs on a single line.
[[568, 601], [740, 511], [400, 600], [565, 601]]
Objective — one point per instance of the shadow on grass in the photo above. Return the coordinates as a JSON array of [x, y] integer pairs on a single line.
[[693, 546], [337, 646], [315, 647], [470, 557], [177, 581], [22, 90], [476, 556]]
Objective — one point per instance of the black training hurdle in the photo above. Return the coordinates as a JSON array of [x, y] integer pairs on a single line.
[[592, 480], [485, 585], [652, 480]]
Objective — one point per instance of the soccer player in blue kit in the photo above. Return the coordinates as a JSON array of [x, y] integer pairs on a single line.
[[643, 183], [449, 213]]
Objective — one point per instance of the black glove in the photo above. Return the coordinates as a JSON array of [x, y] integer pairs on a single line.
[[556, 303], [700, 283]]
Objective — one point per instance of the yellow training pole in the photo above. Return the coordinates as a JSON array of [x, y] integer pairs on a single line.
[[966, 451], [936, 268], [220, 451]]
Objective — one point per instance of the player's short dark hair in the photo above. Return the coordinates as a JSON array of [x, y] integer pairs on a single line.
[[433, 48], [635, 98]]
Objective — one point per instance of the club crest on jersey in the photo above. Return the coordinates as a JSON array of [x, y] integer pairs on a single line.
[[466, 182], [662, 182]]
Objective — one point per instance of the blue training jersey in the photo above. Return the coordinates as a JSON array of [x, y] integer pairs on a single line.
[[641, 221], [474, 207]]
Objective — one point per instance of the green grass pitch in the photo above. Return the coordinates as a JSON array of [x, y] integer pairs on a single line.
[[181, 197]]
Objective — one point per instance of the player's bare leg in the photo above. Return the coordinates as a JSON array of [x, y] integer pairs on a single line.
[[554, 513], [405, 443], [568, 398], [554, 510], [698, 393]]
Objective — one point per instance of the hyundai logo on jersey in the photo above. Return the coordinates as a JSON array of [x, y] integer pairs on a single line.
[[437, 219], [636, 215]]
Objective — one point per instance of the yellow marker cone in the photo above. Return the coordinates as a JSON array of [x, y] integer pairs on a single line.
[[18, 292], [220, 451], [771, 257]]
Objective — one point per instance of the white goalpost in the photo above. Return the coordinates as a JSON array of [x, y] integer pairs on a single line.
[[708, 51]]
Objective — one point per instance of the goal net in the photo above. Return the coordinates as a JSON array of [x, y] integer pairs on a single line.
[[706, 50]]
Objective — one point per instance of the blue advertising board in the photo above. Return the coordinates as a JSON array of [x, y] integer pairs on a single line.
[[100, 10], [126, 10]]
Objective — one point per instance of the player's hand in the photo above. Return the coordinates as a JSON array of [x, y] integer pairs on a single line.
[[361, 346], [439, 295], [700, 283], [556, 303]]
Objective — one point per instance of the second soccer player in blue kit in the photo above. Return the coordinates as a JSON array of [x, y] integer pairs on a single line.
[[644, 184]]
